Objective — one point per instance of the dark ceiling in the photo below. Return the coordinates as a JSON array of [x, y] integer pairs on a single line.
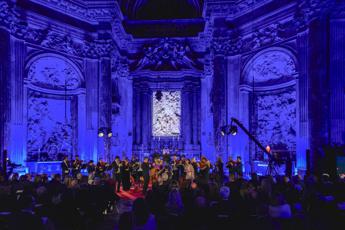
[[161, 9], [162, 18]]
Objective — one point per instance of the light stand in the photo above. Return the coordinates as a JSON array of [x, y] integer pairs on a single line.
[[271, 170], [106, 134]]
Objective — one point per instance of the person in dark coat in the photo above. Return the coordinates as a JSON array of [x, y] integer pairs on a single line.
[[65, 167], [116, 166], [145, 166], [126, 175]]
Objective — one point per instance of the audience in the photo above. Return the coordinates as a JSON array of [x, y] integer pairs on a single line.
[[259, 203], [38, 203]]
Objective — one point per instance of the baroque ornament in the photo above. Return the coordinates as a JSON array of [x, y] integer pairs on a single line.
[[50, 39], [167, 54], [88, 14], [55, 73], [119, 66], [270, 66]]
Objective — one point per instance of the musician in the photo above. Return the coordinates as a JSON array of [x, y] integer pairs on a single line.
[[116, 166], [195, 166], [231, 165], [101, 168], [135, 165], [76, 166], [91, 167], [204, 170], [163, 175], [175, 168], [182, 173], [166, 157], [219, 170], [126, 175], [145, 166], [189, 171], [65, 167], [239, 165]]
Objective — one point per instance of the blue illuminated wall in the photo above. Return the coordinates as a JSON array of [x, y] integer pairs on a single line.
[[97, 64]]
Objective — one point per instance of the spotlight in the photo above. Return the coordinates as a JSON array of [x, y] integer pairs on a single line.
[[103, 131], [100, 132], [110, 133], [233, 130], [224, 130]]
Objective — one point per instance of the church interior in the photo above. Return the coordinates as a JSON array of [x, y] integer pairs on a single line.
[[242, 90]]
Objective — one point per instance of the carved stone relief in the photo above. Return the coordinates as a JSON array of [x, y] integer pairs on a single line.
[[276, 120], [272, 66], [167, 54], [49, 131], [54, 73]]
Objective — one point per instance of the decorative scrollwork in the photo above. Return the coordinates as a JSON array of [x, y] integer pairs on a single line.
[[167, 54]]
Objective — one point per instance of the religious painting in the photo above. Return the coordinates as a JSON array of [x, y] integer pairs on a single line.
[[166, 113]]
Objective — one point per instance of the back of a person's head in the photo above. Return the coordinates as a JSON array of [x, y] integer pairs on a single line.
[[224, 192], [125, 221], [174, 199], [38, 179], [22, 178], [200, 202], [57, 177], [25, 201], [140, 211], [266, 185]]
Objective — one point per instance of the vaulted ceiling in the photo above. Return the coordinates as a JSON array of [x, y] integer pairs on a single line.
[[161, 9], [162, 18]]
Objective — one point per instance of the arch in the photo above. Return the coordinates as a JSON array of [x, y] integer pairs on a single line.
[[272, 66], [52, 71]]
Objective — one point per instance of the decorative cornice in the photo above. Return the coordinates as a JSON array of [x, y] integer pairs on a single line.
[[235, 44], [53, 40], [311, 9], [119, 66], [167, 54], [82, 12], [230, 8]]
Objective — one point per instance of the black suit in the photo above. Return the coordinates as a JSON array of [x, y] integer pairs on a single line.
[[117, 175], [146, 174], [65, 168]]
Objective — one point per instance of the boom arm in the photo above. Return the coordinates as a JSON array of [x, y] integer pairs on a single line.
[[250, 136]]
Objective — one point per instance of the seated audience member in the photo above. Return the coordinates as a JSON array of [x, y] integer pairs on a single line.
[[279, 208], [139, 219]]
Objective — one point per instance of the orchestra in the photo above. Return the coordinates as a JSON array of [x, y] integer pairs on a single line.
[[155, 170]]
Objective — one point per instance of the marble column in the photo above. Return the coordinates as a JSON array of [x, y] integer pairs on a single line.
[[82, 131], [242, 140], [91, 84], [219, 97], [123, 121], [302, 112], [337, 81], [104, 100], [145, 116], [186, 116], [195, 116], [234, 146], [17, 145], [137, 112], [207, 135], [4, 60], [318, 94]]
